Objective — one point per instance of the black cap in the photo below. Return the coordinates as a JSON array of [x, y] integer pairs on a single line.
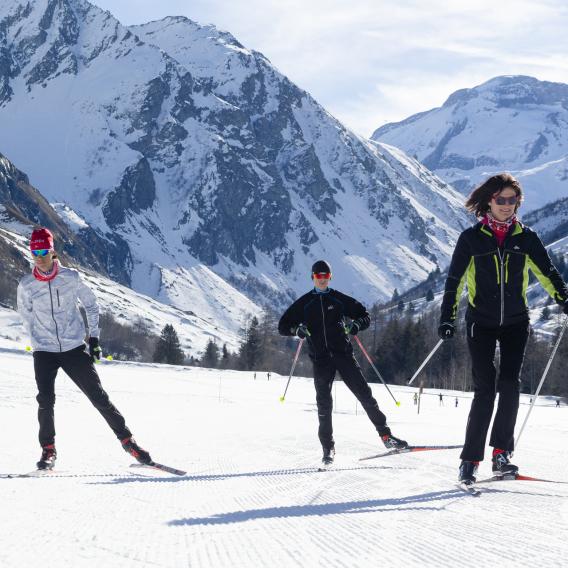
[[321, 266]]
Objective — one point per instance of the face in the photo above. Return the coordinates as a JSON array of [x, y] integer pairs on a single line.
[[321, 280], [44, 263], [503, 211]]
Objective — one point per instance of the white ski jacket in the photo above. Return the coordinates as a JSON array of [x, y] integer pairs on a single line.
[[51, 313]]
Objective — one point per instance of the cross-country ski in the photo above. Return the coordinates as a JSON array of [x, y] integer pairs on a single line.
[[160, 467], [409, 449]]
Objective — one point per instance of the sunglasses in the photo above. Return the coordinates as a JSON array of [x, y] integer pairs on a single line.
[[506, 200], [322, 275], [42, 252]]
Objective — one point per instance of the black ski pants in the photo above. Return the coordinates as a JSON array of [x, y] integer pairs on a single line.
[[482, 343], [78, 365], [324, 374]]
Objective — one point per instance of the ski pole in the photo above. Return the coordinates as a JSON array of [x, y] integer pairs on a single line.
[[292, 369], [426, 361], [375, 368], [558, 340]]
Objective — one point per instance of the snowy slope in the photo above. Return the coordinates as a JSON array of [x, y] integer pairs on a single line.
[[510, 123], [206, 160], [194, 326], [550, 221], [252, 496]]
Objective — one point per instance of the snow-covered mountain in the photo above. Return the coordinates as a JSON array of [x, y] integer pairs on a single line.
[[511, 123], [22, 207], [550, 221], [221, 176], [125, 305]]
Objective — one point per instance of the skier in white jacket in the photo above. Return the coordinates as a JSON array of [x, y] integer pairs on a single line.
[[48, 303]]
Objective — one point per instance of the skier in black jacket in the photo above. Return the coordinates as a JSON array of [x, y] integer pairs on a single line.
[[493, 258], [319, 318]]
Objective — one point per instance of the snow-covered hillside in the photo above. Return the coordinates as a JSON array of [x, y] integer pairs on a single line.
[[207, 161], [252, 496], [134, 309], [550, 221], [510, 123]]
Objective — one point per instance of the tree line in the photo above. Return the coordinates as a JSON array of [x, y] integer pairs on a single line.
[[398, 341]]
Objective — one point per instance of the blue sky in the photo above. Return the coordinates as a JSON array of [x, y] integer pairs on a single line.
[[375, 61]]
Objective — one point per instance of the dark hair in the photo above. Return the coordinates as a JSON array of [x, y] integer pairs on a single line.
[[478, 201]]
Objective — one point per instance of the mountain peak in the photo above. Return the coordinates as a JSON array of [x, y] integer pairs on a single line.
[[508, 90], [512, 123]]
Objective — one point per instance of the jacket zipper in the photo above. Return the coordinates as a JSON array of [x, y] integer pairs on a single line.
[[323, 320], [58, 304], [53, 314], [502, 287]]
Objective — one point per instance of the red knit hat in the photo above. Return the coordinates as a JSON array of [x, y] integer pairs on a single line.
[[41, 239]]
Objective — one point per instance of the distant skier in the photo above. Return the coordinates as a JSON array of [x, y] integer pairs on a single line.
[[48, 303], [456, 401], [440, 396], [319, 317], [557, 403], [493, 258], [415, 397]]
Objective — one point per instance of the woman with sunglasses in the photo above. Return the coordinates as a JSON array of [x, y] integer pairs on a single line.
[[493, 258], [319, 317], [48, 303]]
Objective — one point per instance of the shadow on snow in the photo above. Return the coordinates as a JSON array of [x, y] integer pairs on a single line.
[[221, 476], [310, 510]]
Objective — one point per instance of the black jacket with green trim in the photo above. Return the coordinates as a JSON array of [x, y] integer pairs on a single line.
[[497, 277], [324, 315]]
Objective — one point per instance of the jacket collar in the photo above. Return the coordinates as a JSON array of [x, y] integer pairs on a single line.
[[319, 293], [517, 229]]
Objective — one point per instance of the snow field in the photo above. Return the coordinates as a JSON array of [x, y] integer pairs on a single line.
[[252, 495]]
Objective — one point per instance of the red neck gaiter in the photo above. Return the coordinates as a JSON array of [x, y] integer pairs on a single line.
[[499, 228], [46, 276]]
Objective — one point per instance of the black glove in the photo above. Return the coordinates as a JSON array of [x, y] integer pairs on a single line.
[[301, 331], [94, 348], [446, 331], [353, 327]]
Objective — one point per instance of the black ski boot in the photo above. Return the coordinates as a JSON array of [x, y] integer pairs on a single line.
[[502, 467], [48, 457], [392, 443], [468, 469], [328, 456], [131, 447]]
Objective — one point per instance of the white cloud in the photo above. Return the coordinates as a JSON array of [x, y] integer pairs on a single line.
[[374, 61]]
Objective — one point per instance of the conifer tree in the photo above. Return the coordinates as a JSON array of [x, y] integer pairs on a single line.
[[168, 349], [210, 357]]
